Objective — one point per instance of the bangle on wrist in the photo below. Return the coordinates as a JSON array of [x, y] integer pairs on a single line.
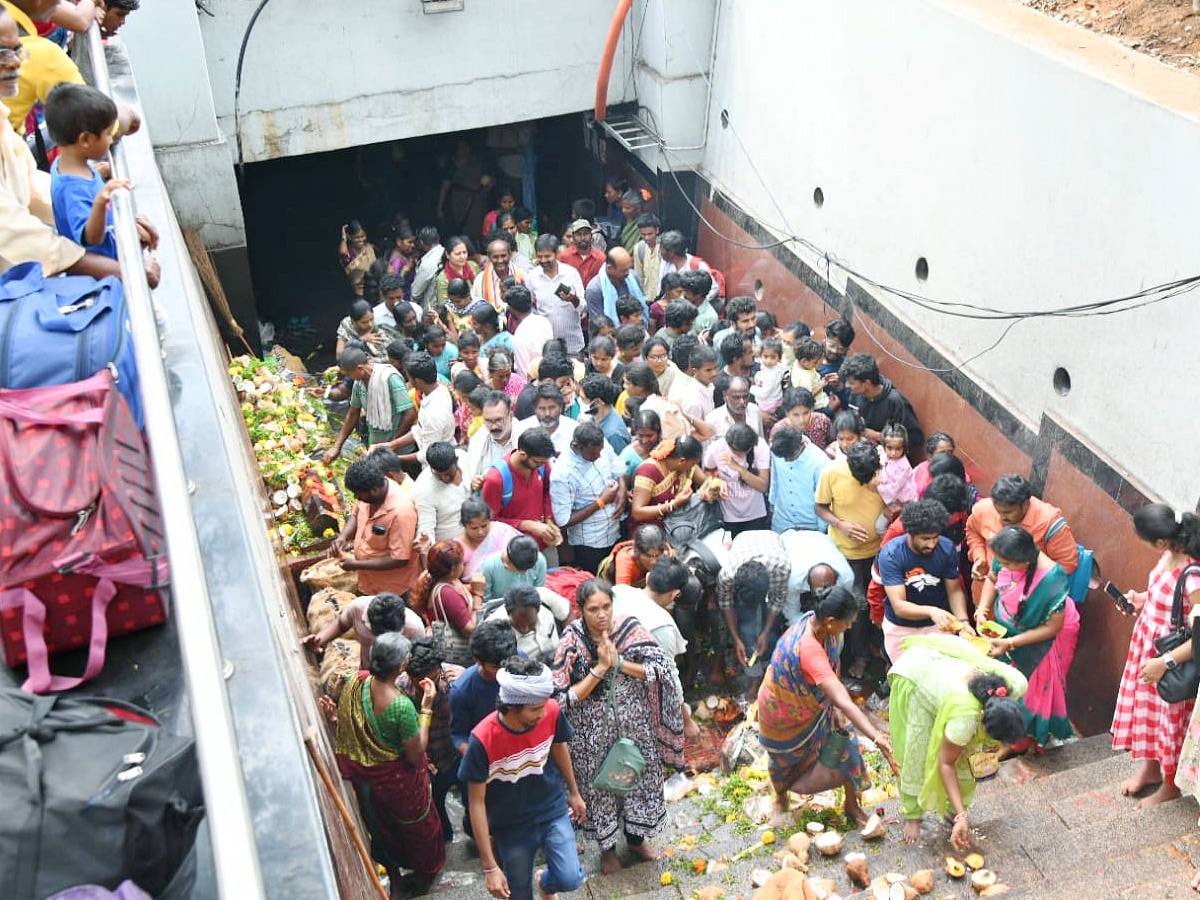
[[487, 871], [600, 503], [961, 815]]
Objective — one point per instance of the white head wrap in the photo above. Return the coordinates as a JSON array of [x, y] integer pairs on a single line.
[[519, 690]]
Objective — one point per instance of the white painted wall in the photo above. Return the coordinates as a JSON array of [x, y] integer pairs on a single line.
[[323, 76], [1024, 170]]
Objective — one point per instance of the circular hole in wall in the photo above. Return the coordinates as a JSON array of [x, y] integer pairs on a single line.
[[724, 118], [922, 269], [818, 198], [1062, 381]]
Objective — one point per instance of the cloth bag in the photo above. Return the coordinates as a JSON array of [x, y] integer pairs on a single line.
[[82, 552], [1178, 685], [623, 764]]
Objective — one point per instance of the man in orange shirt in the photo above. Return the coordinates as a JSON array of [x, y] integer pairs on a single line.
[[1012, 503], [381, 531]]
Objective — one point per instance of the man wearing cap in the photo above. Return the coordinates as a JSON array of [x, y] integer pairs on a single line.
[[521, 789], [582, 256]]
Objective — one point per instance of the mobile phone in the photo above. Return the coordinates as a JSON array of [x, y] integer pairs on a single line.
[[563, 290], [1119, 599], [378, 530]]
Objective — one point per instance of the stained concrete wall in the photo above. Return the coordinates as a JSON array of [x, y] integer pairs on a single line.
[[1031, 164], [323, 76]]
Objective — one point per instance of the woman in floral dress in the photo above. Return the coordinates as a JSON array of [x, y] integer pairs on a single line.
[[1151, 729], [600, 652]]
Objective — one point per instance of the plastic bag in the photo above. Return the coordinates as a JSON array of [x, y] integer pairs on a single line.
[[742, 748], [677, 787]]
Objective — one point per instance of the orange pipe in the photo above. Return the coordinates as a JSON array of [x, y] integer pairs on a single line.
[[606, 63]]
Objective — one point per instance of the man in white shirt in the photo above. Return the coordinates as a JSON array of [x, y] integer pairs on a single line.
[[440, 491], [737, 409], [538, 616], [693, 391], [387, 312], [532, 331], [424, 286], [652, 607], [548, 407], [493, 441], [557, 293], [435, 419]]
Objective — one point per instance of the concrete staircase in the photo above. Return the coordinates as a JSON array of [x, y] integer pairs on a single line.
[[1053, 827]]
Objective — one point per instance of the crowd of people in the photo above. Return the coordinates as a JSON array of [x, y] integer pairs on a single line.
[[625, 482]]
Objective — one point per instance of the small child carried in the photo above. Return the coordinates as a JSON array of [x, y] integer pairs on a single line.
[[768, 380], [897, 485]]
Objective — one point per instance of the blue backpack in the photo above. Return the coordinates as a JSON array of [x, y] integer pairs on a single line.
[[506, 479], [65, 329]]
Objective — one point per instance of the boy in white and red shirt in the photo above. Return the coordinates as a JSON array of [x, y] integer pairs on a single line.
[[521, 787]]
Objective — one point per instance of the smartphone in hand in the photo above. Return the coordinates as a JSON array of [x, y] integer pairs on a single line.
[[1119, 599]]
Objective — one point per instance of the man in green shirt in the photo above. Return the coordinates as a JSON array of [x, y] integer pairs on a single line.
[[380, 394]]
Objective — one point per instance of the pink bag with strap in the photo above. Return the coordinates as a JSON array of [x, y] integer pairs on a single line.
[[82, 553]]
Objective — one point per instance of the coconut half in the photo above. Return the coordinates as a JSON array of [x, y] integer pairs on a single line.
[[873, 829], [829, 843], [814, 828], [984, 878], [922, 881], [856, 869]]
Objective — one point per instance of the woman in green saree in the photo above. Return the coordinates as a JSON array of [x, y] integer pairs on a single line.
[[946, 696]]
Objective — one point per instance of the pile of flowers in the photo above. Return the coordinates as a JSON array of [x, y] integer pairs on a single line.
[[288, 426]]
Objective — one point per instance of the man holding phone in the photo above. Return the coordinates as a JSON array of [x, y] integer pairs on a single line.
[[557, 290]]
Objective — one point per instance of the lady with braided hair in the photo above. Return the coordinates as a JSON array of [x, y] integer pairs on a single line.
[[426, 662], [946, 697], [1041, 630]]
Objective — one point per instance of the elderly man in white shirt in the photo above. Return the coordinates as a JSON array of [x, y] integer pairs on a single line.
[[736, 409], [440, 491], [557, 293], [493, 441], [538, 616]]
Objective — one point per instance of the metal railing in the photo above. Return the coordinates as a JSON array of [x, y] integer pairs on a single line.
[[231, 830]]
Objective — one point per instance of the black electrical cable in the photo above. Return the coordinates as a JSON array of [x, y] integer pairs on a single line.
[[237, 84]]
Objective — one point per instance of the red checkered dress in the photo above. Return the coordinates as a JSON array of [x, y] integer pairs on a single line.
[[1142, 723]]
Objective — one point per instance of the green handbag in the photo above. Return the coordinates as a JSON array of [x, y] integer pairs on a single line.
[[623, 764]]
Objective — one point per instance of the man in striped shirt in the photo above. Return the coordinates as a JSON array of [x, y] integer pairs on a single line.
[[521, 787]]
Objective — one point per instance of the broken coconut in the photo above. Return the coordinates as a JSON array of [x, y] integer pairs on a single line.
[[799, 843], [856, 869], [814, 828], [759, 877], [824, 888], [873, 829], [973, 861], [984, 878], [994, 890], [786, 884], [922, 881], [954, 868], [792, 861], [829, 843]]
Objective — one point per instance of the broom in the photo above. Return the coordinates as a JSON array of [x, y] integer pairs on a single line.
[[207, 271]]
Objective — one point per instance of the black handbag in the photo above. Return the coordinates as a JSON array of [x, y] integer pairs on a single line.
[[1180, 683]]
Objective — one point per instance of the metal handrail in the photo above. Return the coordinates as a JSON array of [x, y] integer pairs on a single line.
[[231, 830]]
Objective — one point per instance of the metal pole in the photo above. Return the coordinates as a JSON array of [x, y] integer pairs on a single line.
[[230, 826]]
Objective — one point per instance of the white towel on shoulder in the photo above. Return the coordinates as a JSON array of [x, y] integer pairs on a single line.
[[379, 398]]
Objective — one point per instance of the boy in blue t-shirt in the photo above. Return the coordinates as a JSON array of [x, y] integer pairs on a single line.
[[83, 122]]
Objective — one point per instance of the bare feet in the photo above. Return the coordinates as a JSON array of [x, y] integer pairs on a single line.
[[1164, 794], [609, 862], [537, 879], [1147, 775], [645, 850], [912, 831], [856, 813], [781, 812]]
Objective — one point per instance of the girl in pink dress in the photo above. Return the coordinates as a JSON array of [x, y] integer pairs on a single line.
[[1151, 729]]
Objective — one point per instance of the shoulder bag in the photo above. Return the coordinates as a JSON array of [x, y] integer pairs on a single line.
[[623, 764], [1180, 683]]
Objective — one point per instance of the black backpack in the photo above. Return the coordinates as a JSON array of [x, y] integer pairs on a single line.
[[94, 791]]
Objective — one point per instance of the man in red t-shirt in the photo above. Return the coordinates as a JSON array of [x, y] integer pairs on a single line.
[[581, 255], [522, 500]]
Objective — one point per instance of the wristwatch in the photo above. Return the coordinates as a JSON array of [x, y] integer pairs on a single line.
[[1169, 662]]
